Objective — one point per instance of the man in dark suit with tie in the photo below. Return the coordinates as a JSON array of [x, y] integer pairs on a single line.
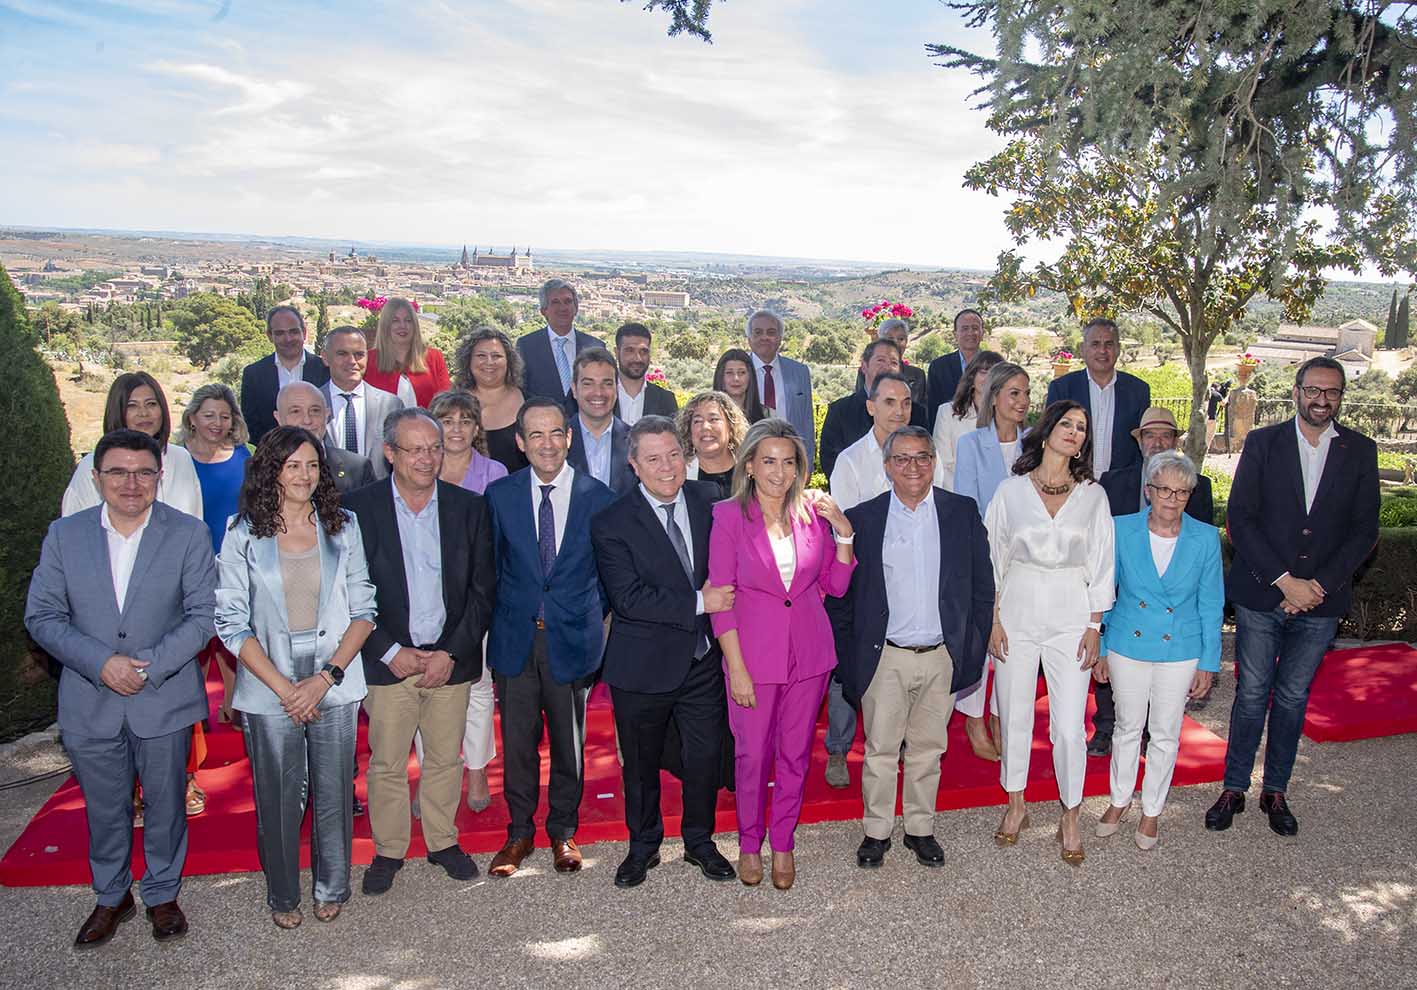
[[1302, 516], [911, 631], [662, 662], [290, 362], [635, 396], [947, 369], [548, 354], [123, 597], [429, 548], [302, 405], [547, 632], [847, 418], [600, 442], [1112, 399]]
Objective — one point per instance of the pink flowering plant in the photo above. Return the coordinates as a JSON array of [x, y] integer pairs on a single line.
[[375, 304], [657, 376], [1062, 356], [1248, 360], [885, 310]]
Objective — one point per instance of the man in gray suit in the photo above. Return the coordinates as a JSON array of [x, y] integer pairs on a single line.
[[123, 597], [785, 385], [357, 409], [303, 405]]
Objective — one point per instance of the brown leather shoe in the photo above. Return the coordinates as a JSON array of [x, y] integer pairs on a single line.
[[784, 870], [509, 858], [750, 868], [568, 855], [168, 921], [103, 923]]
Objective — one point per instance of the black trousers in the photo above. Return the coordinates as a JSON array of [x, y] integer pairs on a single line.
[[523, 701], [695, 709]]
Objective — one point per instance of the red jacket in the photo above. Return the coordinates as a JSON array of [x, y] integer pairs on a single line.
[[425, 384]]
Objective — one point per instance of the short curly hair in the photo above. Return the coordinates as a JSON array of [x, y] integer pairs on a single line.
[[262, 493], [737, 422], [462, 361]]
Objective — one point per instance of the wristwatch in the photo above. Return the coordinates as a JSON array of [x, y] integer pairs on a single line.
[[336, 673], [1095, 626]]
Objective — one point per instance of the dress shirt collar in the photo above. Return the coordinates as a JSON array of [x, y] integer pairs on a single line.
[[563, 478], [1093, 383], [1325, 437], [107, 523], [658, 506], [590, 434], [357, 391], [298, 370], [928, 502], [553, 336], [404, 507], [759, 364]]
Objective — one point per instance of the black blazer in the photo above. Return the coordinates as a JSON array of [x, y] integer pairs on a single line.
[[942, 380], [259, 386], [541, 377], [469, 577], [966, 591], [1123, 488], [655, 630], [1133, 396], [622, 476], [848, 421], [349, 469], [1272, 533], [658, 402]]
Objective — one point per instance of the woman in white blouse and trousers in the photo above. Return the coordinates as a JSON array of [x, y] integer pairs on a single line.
[[1050, 537]]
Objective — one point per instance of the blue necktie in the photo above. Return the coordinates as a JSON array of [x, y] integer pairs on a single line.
[[563, 362], [546, 539]]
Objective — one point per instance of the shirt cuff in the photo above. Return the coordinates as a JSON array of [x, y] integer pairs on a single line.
[[698, 603], [1275, 582], [389, 654]]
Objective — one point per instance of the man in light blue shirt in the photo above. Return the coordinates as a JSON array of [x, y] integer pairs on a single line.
[[600, 442]]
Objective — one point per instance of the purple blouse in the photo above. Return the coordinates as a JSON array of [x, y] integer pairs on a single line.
[[481, 472]]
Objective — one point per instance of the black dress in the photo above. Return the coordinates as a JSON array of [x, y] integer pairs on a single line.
[[723, 479], [502, 447]]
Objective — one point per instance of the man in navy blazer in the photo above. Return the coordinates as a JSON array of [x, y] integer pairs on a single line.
[[547, 354], [546, 639], [290, 362], [600, 443], [124, 597], [911, 631], [662, 662], [947, 369], [1112, 399], [636, 397], [1302, 516]]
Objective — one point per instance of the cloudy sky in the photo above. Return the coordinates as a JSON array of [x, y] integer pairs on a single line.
[[810, 128]]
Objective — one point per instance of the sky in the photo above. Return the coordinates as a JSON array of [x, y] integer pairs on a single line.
[[809, 128]]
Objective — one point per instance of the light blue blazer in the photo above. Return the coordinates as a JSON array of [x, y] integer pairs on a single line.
[[250, 601], [1174, 616], [795, 403], [979, 465]]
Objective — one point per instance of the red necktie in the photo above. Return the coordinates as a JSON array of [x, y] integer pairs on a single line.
[[769, 389]]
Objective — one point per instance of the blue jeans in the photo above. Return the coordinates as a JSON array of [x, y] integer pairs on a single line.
[[1275, 654]]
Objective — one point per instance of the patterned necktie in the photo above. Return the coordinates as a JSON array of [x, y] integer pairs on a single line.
[[676, 537], [351, 429], [563, 361], [769, 389], [546, 538]]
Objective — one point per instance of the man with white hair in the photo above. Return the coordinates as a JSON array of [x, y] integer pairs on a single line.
[[302, 405], [784, 385], [550, 353]]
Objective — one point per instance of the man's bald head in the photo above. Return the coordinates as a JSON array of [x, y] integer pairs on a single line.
[[302, 404]]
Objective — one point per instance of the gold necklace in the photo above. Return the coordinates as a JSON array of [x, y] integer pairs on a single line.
[[1048, 489]]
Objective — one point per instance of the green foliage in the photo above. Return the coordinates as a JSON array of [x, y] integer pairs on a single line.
[[1389, 327], [1404, 386], [459, 317], [685, 16], [209, 327], [1401, 323], [1167, 381], [927, 348], [322, 322], [78, 283], [35, 444], [1384, 596]]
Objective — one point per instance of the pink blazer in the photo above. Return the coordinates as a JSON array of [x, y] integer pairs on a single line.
[[768, 616]]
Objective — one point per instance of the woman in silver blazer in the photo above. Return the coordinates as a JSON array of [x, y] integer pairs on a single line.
[[295, 604]]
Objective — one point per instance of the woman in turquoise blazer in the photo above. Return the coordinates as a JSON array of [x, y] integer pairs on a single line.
[[1161, 640]]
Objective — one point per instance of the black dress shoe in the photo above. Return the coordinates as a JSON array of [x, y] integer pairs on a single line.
[[168, 921], [1224, 810], [1100, 744], [380, 875], [712, 863], [103, 923], [633, 869], [456, 863], [872, 852], [1281, 819], [926, 849]]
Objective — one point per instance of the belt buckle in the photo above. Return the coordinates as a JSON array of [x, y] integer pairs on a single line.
[[540, 624]]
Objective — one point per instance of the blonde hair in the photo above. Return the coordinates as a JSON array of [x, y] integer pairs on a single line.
[[238, 435], [384, 341], [737, 422], [745, 489]]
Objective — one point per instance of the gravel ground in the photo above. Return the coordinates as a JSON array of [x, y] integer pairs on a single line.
[[1245, 908]]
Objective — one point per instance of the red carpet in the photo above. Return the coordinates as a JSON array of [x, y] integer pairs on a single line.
[[1364, 693], [53, 849]]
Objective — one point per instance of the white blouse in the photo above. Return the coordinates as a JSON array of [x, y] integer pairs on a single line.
[[179, 487], [1162, 549], [784, 551], [1080, 537], [948, 429]]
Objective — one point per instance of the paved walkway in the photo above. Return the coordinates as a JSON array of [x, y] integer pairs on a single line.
[[1335, 907]]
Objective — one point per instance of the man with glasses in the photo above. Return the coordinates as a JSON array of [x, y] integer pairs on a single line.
[[429, 548], [911, 631], [1303, 515], [123, 597], [1127, 493]]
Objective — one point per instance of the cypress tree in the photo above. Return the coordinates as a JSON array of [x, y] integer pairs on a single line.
[[1391, 327], [1401, 324]]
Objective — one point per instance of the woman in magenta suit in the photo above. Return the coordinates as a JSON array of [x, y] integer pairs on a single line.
[[781, 547]]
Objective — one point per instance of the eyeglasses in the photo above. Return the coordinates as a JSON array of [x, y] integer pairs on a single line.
[[923, 459], [432, 450], [1170, 494], [143, 475], [1313, 392]]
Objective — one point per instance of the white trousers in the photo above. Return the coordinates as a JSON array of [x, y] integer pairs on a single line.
[[1044, 614], [1137, 684], [479, 742], [970, 701]]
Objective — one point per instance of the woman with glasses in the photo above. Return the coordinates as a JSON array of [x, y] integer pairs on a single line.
[[1162, 643]]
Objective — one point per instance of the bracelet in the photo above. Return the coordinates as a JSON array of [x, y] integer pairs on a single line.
[[1095, 626], [844, 540]]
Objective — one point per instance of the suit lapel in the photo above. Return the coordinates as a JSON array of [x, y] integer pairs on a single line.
[[454, 564], [758, 537], [329, 565], [1082, 394], [1176, 577], [521, 523], [1335, 464], [700, 517], [148, 548], [266, 556], [619, 454], [648, 517], [575, 516], [804, 537], [104, 569], [1289, 461], [388, 523]]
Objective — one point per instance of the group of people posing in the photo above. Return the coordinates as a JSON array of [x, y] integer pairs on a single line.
[[430, 548]]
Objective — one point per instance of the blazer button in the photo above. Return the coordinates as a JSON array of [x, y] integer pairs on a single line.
[[1136, 632], [322, 632], [1141, 604], [1167, 637], [546, 587], [787, 603], [1170, 610], [1307, 532], [1303, 556], [122, 635]]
